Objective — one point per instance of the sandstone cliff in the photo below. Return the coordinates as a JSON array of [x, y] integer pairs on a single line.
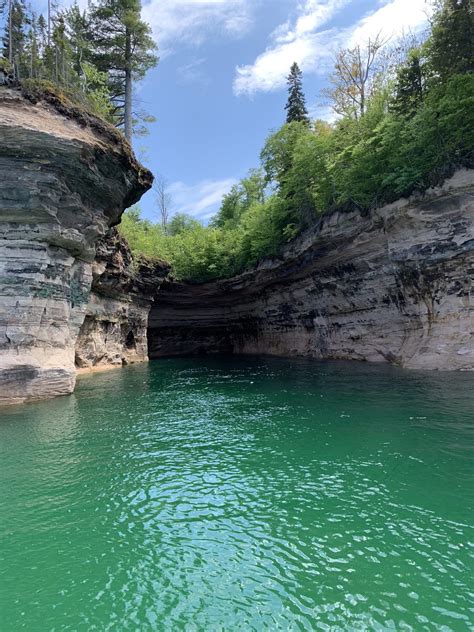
[[394, 285], [66, 177], [114, 331]]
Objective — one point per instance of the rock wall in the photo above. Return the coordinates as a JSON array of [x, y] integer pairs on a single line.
[[114, 331], [66, 177], [395, 285]]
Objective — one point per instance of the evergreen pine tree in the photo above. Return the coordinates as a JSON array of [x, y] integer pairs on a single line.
[[451, 45], [296, 105], [62, 54], [14, 37], [32, 50], [410, 84], [3, 19], [42, 33], [125, 50], [79, 36]]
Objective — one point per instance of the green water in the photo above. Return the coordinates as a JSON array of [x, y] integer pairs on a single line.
[[241, 494]]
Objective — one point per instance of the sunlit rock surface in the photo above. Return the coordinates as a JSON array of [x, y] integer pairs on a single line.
[[66, 177], [394, 285]]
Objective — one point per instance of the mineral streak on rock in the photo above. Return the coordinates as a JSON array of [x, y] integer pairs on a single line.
[[66, 177], [395, 285]]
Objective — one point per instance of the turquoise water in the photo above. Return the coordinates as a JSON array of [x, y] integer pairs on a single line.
[[241, 494]]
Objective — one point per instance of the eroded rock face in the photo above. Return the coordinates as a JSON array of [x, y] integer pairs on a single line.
[[396, 285], [114, 331], [65, 179]]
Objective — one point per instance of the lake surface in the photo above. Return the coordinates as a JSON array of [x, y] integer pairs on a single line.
[[241, 494]]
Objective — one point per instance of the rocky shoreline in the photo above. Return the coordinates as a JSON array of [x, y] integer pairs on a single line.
[[393, 285]]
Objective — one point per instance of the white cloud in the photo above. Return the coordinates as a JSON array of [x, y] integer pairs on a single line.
[[191, 21], [297, 40], [201, 200], [193, 72], [391, 21], [301, 39], [323, 112]]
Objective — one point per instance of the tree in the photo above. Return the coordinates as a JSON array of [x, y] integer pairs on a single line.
[[182, 223], [163, 199], [409, 84], [249, 191], [42, 34], [61, 52], [79, 34], [14, 37], [278, 152], [125, 50], [231, 208], [253, 187], [296, 105], [32, 49], [451, 45], [95, 86], [51, 15], [354, 78]]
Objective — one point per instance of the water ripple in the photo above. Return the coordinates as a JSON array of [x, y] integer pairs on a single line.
[[252, 494]]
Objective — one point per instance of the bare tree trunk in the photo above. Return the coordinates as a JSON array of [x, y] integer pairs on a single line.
[[49, 22], [17, 66], [354, 78], [10, 33], [128, 86], [163, 199]]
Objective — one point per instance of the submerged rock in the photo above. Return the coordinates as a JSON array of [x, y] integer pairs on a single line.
[[66, 177], [395, 285]]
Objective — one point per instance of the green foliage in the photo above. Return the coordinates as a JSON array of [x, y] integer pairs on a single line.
[[357, 163], [241, 197], [124, 49], [91, 55], [277, 154], [410, 84], [392, 155], [97, 90], [196, 253], [14, 36], [403, 134], [451, 45], [182, 223], [5, 65]]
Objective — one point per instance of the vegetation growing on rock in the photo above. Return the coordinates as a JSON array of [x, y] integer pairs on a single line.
[[92, 55], [415, 127]]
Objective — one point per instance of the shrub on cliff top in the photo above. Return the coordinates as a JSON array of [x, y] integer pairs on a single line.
[[95, 102]]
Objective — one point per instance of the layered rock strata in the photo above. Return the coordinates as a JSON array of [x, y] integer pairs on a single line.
[[66, 177], [394, 285], [114, 331]]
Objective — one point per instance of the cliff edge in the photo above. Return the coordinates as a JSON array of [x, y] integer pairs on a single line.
[[393, 285], [66, 177]]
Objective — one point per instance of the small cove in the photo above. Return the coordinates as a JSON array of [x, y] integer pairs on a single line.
[[240, 493]]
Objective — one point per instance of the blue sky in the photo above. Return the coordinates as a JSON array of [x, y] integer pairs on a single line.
[[219, 88]]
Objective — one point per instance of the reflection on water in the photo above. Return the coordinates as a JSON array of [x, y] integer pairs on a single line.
[[240, 494]]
